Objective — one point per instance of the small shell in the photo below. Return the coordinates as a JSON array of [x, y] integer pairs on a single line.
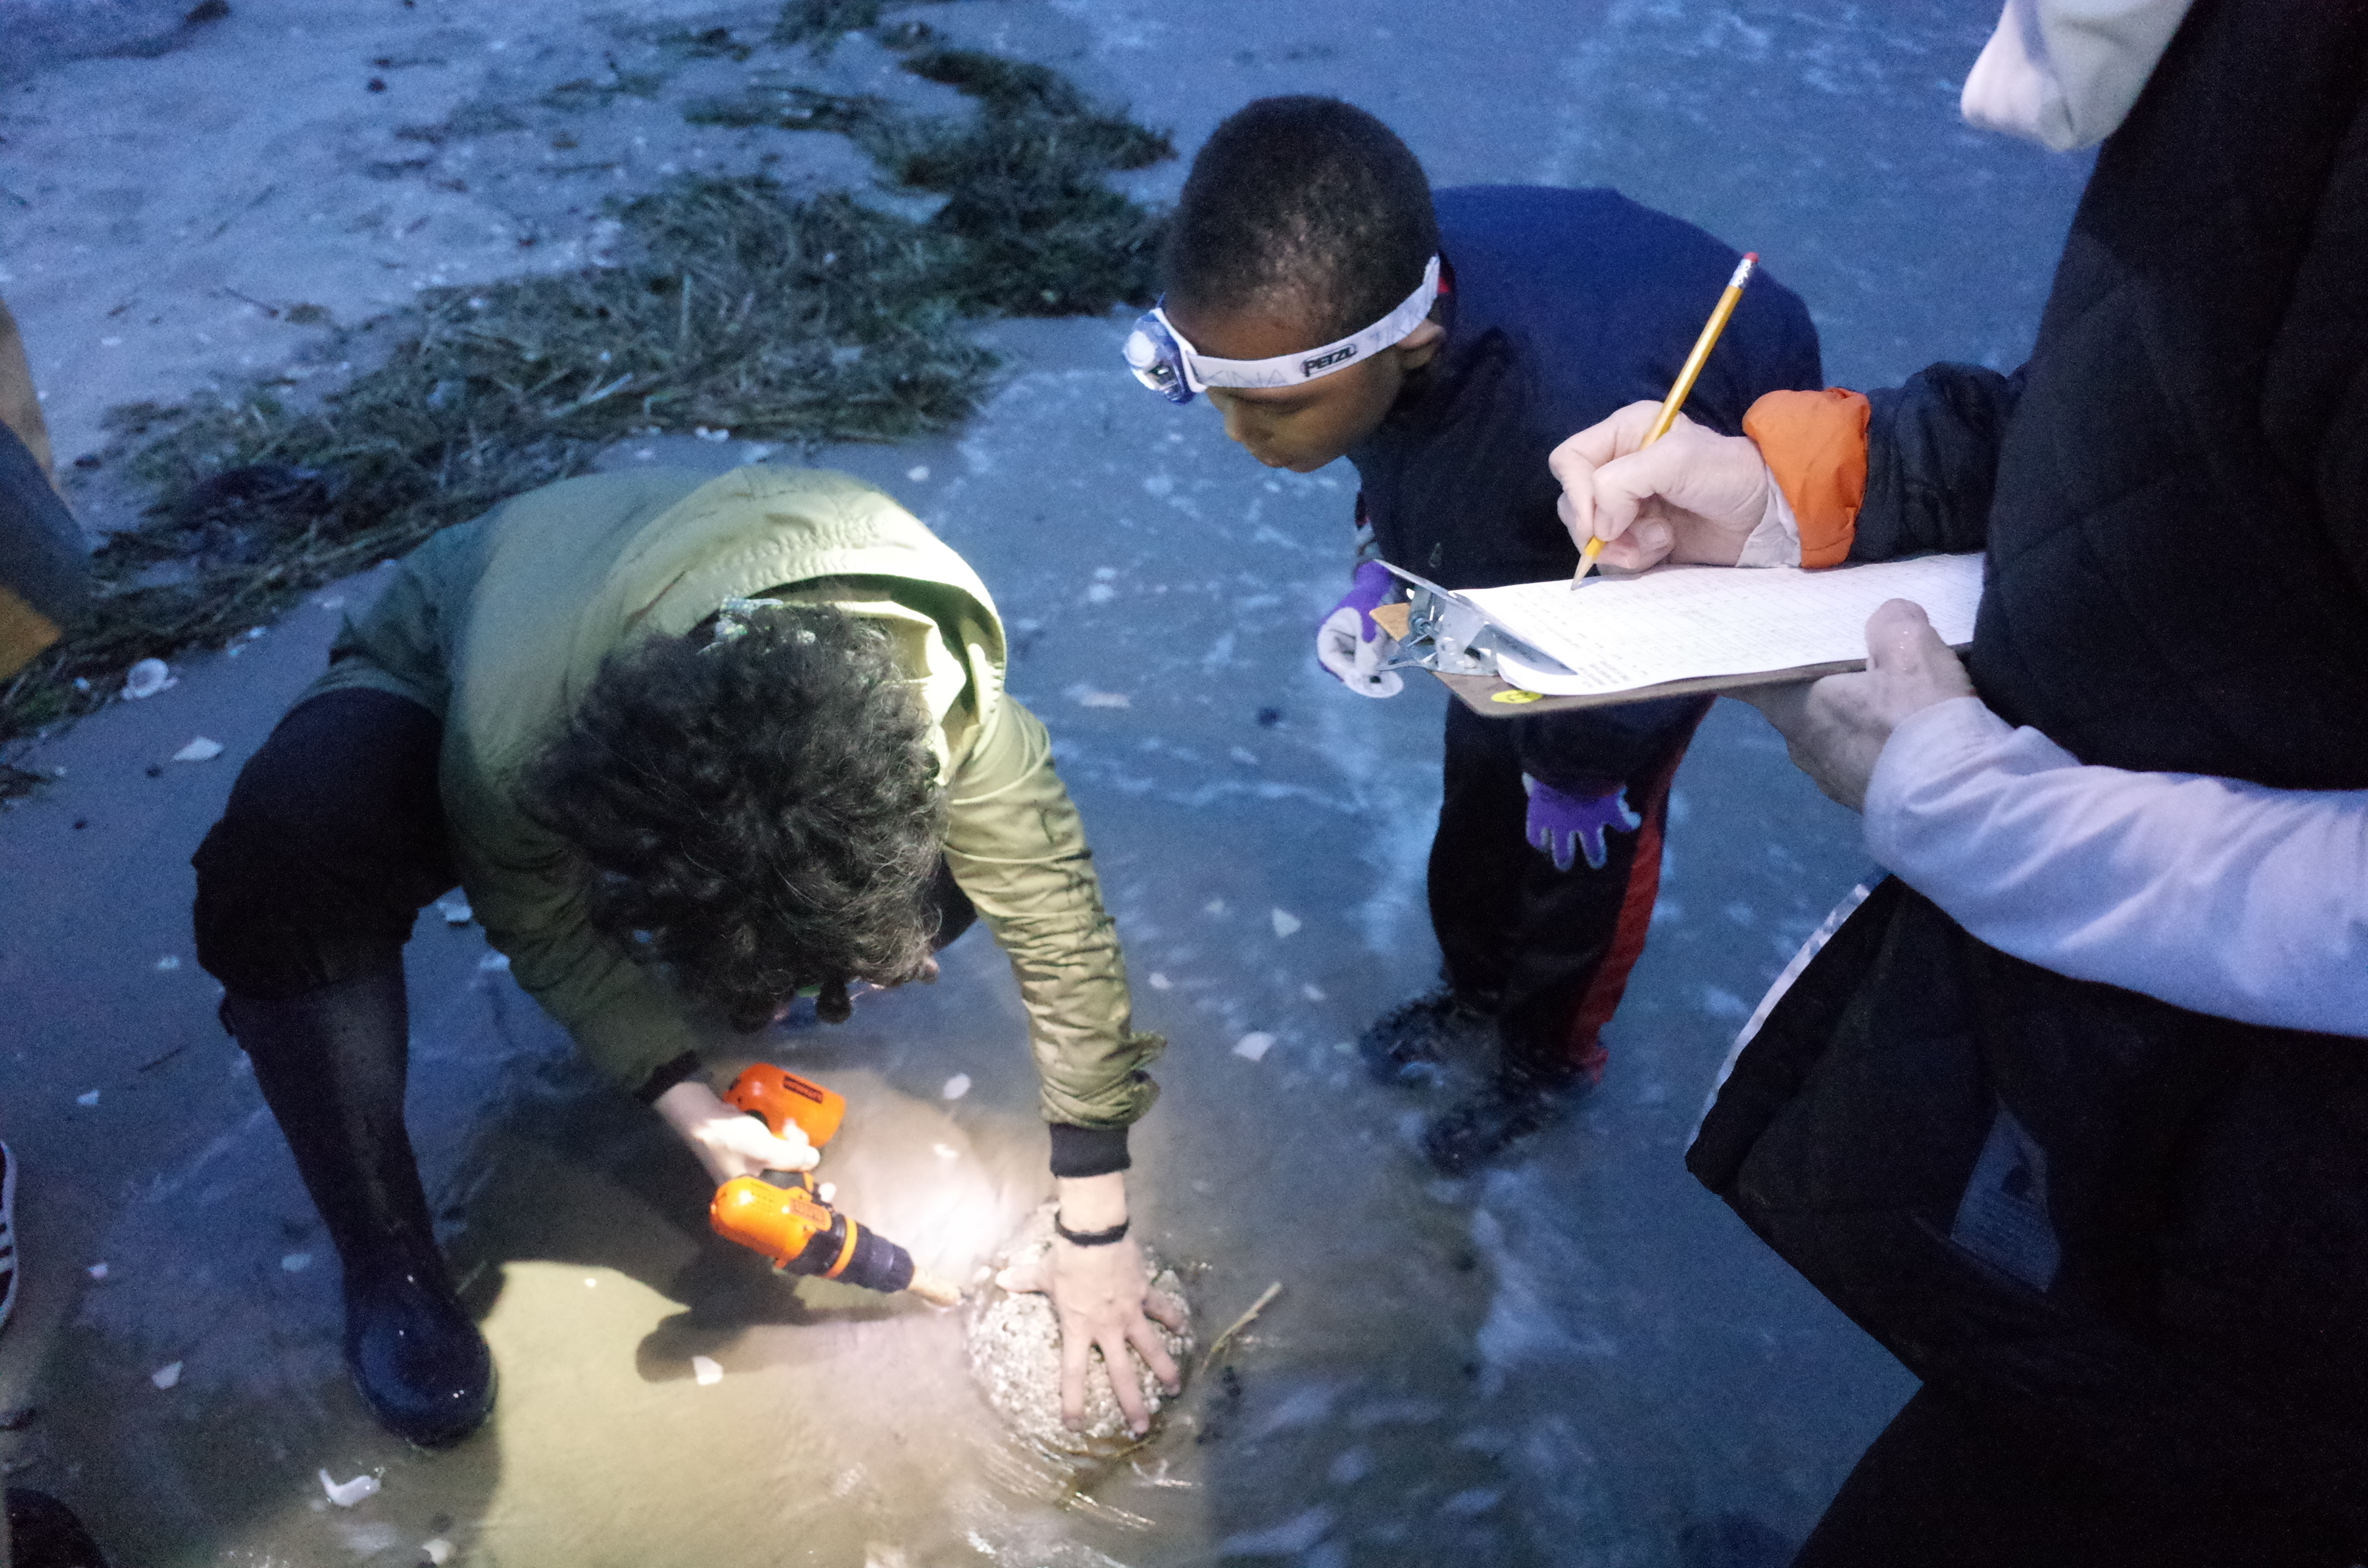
[[345, 1493], [146, 679]]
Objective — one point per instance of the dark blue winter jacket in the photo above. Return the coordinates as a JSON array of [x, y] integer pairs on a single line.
[[1566, 305]]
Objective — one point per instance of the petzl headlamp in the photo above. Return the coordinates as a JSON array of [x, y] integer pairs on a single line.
[[1162, 359]]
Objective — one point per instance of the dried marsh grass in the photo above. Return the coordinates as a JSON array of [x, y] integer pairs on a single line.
[[733, 306]]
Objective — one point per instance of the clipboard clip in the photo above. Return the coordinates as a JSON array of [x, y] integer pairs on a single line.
[[1447, 634]]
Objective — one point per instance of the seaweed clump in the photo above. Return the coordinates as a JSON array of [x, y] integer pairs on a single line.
[[1039, 231], [734, 307]]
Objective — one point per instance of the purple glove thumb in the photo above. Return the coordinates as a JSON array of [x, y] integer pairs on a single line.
[[1567, 826], [1368, 589]]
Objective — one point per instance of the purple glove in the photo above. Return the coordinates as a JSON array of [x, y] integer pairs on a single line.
[[1351, 646], [1564, 826]]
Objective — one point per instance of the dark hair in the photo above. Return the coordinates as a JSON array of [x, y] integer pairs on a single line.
[[1303, 204], [761, 813]]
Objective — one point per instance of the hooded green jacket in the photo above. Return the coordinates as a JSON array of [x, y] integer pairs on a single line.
[[499, 625]]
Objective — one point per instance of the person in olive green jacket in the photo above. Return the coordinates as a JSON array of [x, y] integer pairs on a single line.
[[690, 748]]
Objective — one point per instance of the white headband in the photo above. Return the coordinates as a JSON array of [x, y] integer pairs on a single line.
[[1203, 371]]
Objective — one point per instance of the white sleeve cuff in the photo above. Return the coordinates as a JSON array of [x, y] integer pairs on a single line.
[[1777, 540]]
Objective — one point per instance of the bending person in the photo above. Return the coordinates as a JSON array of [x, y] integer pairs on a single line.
[[653, 815]]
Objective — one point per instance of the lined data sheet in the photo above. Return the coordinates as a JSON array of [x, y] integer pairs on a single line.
[[1693, 623]]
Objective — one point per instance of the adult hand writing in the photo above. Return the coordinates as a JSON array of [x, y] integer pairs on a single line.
[[1836, 727], [1103, 1302], [1692, 495]]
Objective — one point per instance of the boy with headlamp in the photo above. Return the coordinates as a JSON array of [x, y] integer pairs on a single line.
[[1533, 312]]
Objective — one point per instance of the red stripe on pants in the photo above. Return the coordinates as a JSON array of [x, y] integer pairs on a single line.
[[1582, 1045]]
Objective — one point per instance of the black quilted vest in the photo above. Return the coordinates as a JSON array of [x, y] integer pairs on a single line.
[[2146, 1228]]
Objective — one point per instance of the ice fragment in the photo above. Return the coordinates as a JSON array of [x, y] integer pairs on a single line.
[[90, 1098], [492, 961], [165, 1376], [198, 750], [168, 963], [1160, 982], [917, 472], [706, 1371], [97, 1271], [1285, 922], [704, 434], [1254, 1046], [345, 1493], [296, 1262], [454, 908], [1313, 992], [956, 1086], [146, 679], [1085, 696]]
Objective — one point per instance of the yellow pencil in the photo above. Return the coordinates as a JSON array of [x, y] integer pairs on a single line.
[[1684, 386]]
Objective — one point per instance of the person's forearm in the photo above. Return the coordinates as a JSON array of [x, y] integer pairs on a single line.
[[2209, 893], [1016, 845], [1092, 1203], [1931, 461]]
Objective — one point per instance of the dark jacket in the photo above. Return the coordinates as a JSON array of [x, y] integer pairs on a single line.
[[1566, 307], [2144, 1228]]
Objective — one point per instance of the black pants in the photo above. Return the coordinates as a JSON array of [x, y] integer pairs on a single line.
[[1946, 1486], [1547, 951], [335, 839]]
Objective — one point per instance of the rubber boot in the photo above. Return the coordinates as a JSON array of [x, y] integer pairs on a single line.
[[1517, 1103], [43, 1533], [331, 1063], [1405, 1044]]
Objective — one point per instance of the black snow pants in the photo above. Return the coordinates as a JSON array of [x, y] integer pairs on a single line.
[[1548, 952], [334, 840]]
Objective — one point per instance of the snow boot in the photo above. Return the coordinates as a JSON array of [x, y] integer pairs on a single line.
[[1517, 1103], [331, 1063], [1405, 1044], [43, 1533]]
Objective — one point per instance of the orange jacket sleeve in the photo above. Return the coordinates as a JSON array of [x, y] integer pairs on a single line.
[[1814, 443]]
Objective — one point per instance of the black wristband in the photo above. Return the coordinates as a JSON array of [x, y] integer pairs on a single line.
[[1111, 1237], [667, 1076], [1088, 1151]]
